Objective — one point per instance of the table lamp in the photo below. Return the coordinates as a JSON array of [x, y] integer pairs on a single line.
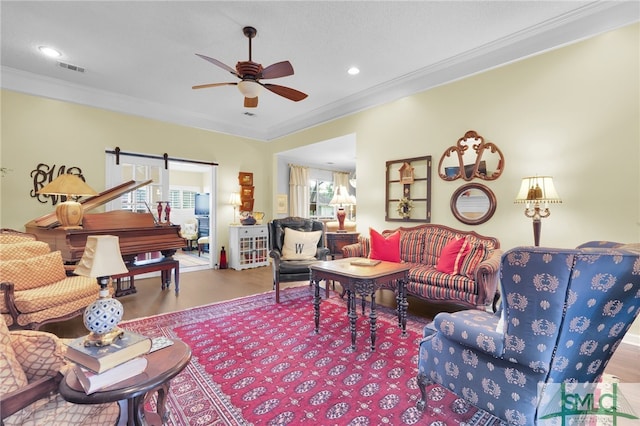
[[69, 213], [102, 259], [235, 201], [341, 198], [535, 190]]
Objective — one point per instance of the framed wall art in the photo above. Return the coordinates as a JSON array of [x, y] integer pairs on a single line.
[[281, 204], [245, 179], [246, 192]]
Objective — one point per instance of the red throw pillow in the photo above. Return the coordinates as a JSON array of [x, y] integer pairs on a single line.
[[385, 248], [452, 256]]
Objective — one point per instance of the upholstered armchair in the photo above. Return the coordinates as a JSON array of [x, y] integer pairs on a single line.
[[31, 367], [34, 284], [292, 251], [189, 231], [563, 314]]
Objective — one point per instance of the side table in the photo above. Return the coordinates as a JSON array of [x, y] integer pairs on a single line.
[[363, 281], [131, 394], [337, 240]]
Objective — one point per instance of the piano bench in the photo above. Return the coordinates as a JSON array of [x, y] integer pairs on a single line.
[[165, 265]]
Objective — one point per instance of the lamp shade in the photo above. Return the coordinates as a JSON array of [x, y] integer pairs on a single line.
[[69, 213], [69, 185], [537, 189], [250, 89], [101, 257], [234, 199], [340, 197]]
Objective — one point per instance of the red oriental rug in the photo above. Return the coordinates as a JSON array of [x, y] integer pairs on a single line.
[[257, 362]]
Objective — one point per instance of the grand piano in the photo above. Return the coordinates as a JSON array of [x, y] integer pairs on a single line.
[[138, 232]]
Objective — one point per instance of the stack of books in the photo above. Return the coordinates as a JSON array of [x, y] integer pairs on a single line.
[[98, 367]]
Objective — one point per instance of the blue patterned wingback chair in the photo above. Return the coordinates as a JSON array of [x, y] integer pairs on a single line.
[[563, 314]]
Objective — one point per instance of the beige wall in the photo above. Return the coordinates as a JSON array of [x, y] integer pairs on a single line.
[[572, 113], [38, 130]]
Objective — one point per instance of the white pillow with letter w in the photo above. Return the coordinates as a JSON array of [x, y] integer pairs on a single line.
[[300, 245]]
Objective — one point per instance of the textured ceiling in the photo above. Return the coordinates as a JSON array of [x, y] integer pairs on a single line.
[[139, 56]]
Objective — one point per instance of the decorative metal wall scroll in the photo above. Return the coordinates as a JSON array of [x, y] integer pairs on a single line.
[[43, 175], [471, 158], [408, 191]]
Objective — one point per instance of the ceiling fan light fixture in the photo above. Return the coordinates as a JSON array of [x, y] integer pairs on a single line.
[[250, 89]]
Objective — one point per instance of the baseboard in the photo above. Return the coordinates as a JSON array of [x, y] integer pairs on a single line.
[[631, 339]]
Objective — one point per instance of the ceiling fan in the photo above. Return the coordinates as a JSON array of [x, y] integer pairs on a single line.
[[250, 73]]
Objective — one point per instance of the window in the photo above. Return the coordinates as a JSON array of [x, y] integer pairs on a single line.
[[189, 200], [320, 193], [182, 199], [174, 197]]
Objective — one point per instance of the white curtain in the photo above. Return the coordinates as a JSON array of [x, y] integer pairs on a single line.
[[299, 191], [340, 179]]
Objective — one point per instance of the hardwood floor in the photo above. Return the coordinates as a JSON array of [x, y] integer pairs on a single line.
[[207, 286]]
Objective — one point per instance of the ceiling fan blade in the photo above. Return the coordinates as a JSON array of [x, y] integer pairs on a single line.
[[251, 102], [286, 92], [205, 86], [280, 69], [218, 63]]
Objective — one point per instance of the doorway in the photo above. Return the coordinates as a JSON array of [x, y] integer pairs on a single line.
[[177, 185]]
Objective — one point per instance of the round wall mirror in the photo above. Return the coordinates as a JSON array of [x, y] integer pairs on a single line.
[[473, 204]]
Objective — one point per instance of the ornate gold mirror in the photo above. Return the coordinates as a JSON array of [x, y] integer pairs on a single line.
[[473, 204], [471, 158]]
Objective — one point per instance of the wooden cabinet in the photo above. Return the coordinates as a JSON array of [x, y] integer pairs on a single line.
[[337, 240], [248, 246]]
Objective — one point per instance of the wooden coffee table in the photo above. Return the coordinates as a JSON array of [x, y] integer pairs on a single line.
[[131, 394], [363, 281]]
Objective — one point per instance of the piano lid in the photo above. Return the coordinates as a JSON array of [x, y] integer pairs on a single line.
[[50, 220]]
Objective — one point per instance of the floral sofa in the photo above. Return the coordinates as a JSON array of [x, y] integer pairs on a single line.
[[474, 283]]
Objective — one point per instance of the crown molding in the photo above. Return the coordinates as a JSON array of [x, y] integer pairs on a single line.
[[592, 19]]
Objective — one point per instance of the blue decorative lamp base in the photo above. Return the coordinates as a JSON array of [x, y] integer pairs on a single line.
[[102, 317], [102, 259]]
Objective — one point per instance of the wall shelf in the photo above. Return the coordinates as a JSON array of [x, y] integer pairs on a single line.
[[408, 178]]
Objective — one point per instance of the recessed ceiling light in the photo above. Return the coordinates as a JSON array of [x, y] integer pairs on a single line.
[[353, 71], [49, 51]]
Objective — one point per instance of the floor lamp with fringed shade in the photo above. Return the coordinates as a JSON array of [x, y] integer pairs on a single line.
[[69, 213], [534, 191]]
